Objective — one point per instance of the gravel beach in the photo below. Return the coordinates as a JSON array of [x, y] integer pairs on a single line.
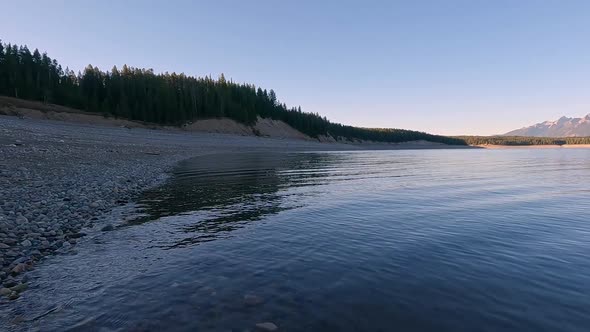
[[57, 179]]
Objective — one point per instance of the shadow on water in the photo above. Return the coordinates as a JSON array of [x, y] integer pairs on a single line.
[[233, 190]]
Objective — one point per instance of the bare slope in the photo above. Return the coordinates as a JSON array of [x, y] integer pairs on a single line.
[[263, 127], [37, 110]]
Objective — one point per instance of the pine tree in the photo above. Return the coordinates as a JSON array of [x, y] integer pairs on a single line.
[[272, 97], [12, 70], [3, 74]]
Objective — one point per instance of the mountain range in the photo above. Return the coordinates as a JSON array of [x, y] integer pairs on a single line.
[[563, 127]]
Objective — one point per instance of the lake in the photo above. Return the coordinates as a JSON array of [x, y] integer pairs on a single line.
[[423, 240]]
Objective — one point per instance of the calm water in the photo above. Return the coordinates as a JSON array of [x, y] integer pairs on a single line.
[[456, 240]]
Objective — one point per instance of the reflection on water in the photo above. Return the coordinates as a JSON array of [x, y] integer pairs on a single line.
[[472, 240], [234, 188]]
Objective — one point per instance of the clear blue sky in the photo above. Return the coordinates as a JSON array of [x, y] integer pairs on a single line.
[[446, 67]]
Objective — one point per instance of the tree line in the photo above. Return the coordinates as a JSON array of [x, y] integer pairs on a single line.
[[167, 98]]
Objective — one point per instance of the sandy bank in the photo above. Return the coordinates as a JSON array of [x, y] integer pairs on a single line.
[[266, 128], [36, 110]]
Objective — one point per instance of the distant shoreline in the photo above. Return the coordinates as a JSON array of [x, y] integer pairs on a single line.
[[548, 146]]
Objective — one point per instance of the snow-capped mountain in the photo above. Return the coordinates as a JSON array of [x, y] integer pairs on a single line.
[[564, 127]]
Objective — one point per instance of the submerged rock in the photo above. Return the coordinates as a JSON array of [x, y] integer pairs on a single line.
[[19, 288], [267, 326], [108, 228], [19, 268], [10, 283], [77, 235]]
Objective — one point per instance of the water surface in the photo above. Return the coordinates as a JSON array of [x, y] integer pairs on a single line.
[[439, 240]]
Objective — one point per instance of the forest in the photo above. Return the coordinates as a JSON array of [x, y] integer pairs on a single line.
[[168, 98]]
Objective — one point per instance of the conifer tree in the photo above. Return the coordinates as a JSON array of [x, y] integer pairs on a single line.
[[3, 75]]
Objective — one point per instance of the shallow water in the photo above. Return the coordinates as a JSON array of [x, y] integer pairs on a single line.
[[438, 240]]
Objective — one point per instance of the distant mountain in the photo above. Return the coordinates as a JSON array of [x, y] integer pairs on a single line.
[[564, 127]]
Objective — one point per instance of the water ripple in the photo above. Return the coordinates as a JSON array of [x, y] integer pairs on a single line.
[[348, 241]]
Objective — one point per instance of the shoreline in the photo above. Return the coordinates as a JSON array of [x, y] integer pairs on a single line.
[[565, 146], [264, 128], [60, 179]]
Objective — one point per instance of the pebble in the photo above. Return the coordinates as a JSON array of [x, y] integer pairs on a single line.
[[22, 219], [19, 260]]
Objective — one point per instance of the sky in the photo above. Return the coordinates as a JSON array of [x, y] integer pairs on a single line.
[[446, 67]]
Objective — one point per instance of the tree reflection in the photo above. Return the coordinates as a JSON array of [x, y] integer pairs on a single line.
[[233, 190]]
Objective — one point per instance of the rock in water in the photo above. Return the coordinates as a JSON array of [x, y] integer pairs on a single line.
[[19, 288], [10, 283], [77, 235], [26, 243], [108, 228], [19, 268], [5, 291], [267, 326]]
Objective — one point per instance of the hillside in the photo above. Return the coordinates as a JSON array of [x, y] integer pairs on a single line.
[[563, 127], [169, 98]]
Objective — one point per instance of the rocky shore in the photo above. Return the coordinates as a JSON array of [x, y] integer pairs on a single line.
[[54, 184], [57, 179]]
